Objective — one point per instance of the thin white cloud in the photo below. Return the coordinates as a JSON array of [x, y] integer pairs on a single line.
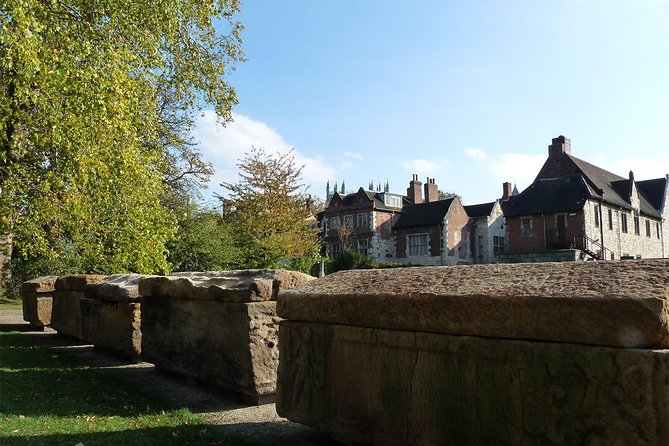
[[424, 167], [517, 168], [352, 155], [224, 146], [476, 154], [643, 168]]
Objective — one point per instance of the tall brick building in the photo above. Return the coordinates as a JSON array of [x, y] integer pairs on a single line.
[[416, 228], [576, 209]]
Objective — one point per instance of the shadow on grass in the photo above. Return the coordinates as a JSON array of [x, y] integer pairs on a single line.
[[179, 435], [49, 398]]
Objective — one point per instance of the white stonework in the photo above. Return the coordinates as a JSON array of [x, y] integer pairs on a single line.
[[484, 233], [618, 242]]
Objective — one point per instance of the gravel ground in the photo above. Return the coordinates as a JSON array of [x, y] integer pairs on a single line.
[[258, 424]]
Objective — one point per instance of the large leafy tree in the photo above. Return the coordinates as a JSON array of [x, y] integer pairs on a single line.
[[95, 99], [204, 243], [270, 211]]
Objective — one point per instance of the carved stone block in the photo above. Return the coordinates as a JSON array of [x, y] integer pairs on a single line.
[[612, 303], [113, 326], [66, 313], [111, 317], [36, 296], [231, 345], [37, 308], [66, 308], [568, 353], [390, 387], [217, 327]]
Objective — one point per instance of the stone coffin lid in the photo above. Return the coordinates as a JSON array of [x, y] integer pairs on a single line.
[[42, 284], [230, 286], [612, 303], [115, 288], [77, 282]]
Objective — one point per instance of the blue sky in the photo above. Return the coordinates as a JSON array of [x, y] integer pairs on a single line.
[[468, 93]]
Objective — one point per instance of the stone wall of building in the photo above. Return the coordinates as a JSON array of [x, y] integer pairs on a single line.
[[618, 242], [561, 255], [496, 228], [383, 245], [481, 354]]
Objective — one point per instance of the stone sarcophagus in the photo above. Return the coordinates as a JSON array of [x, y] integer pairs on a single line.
[[110, 314], [218, 327], [551, 353], [37, 296], [66, 308]]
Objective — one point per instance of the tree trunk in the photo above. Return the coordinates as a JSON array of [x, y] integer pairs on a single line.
[[5, 258]]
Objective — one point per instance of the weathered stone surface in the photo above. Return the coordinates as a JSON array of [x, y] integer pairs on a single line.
[[232, 345], [77, 282], [43, 284], [614, 303], [115, 288], [37, 308], [112, 325], [229, 286], [390, 387], [66, 313], [219, 327]]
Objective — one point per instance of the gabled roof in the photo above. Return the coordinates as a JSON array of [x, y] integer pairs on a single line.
[[480, 210], [376, 198], [549, 195], [654, 191], [423, 214], [608, 187], [612, 188]]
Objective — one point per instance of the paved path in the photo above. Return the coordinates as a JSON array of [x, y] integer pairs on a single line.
[[259, 424]]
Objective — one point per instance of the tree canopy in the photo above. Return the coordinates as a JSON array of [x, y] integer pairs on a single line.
[[96, 98], [270, 212]]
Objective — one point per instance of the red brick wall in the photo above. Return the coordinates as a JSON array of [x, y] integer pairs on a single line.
[[518, 243], [458, 229], [401, 239]]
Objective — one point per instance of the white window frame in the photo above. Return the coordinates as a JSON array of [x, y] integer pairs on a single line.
[[497, 245], [335, 250], [418, 245], [624, 225], [363, 220], [529, 230], [348, 221], [335, 222], [363, 247]]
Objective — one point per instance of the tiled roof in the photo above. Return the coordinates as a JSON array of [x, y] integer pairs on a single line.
[[423, 214], [375, 197], [612, 188], [654, 191], [549, 195], [480, 210]]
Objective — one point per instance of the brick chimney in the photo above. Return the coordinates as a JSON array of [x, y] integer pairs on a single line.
[[559, 146], [507, 190], [414, 193], [431, 190]]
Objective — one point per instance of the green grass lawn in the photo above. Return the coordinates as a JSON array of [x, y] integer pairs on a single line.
[[47, 398], [10, 304]]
